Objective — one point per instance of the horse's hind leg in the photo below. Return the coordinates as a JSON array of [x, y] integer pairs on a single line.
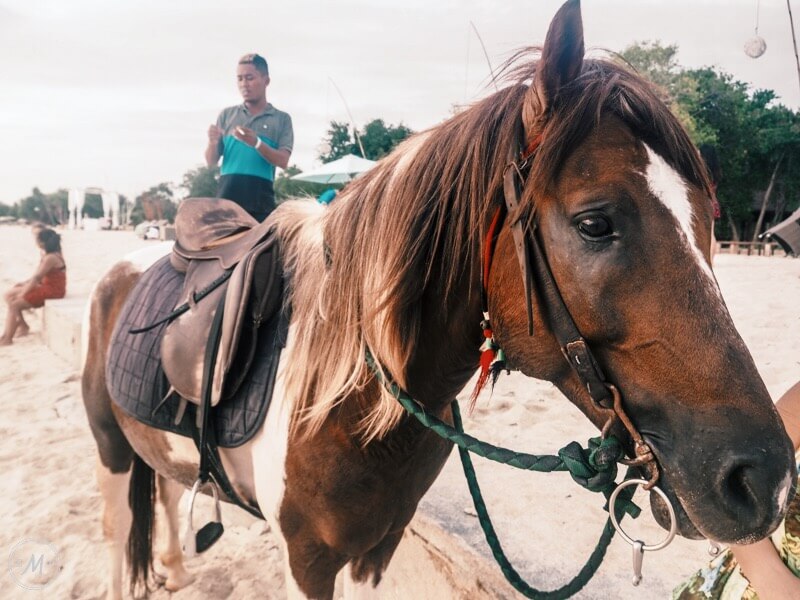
[[169, 493], [116, 523]]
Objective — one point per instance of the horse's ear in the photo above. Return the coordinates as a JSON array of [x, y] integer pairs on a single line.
[[561, 62]]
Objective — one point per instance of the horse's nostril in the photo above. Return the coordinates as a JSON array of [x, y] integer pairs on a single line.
[[738, 487]]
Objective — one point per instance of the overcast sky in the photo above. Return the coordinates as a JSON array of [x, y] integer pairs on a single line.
[[119, 94]]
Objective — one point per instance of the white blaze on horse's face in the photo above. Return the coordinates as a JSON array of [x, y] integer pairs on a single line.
[[669, 187]]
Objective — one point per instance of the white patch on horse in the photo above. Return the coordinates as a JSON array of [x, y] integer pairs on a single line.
[[269, 449], [783, 492], [270, 445], [670, 188], [357, 590], [144, 258], [182, 449]]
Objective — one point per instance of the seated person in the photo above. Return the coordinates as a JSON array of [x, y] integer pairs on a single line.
[[49, 281]]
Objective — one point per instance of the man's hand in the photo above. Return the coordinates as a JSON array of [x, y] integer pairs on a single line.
[[214, 135], [212, 150], [245, 135]]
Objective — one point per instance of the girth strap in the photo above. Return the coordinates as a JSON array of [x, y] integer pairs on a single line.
[[210, 462]]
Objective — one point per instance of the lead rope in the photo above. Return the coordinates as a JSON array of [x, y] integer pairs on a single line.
[[594, 468]]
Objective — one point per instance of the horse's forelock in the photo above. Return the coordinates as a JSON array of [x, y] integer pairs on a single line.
[[603, 88]]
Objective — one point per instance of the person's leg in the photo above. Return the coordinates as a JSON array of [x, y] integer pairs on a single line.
[[13, 318], [22, 327], [10, 326]]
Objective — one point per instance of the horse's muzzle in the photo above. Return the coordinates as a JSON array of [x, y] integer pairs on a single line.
[[745, 503]]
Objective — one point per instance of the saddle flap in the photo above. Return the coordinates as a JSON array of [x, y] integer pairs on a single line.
[[254, 294], [184, 341]]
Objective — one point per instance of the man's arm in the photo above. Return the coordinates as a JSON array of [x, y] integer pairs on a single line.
[[760, 562], [279, 158], [212, 150]]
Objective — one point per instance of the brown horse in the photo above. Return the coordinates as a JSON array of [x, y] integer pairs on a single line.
[[617, 197]]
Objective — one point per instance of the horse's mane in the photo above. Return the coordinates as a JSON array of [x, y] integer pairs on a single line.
[[359, 268]]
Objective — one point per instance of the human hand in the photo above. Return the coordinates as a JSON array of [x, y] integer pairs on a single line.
[[214, 135], [785, 586], [245, 135]]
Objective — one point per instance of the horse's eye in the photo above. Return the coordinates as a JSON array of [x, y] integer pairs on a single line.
[[595, 227]]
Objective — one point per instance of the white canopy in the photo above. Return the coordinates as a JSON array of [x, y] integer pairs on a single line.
[[340, 170]]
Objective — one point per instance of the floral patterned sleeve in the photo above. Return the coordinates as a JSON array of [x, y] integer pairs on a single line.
[[722, 579]]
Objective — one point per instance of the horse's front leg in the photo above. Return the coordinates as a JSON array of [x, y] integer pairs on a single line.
[[116, 523], [170, 493], [362, 575]]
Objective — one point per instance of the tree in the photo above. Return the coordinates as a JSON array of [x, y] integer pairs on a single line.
[[8, 210], [659, 65], [754, 134], [201, 182], [377, 138], [155, 204], [49, 209], [92, 205], [338, 143], [757, 139]]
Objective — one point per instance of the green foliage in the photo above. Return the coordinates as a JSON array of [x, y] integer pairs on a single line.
[[753, 134], [50, 209], [655, 62], [154, 204], [285, 187], [377, 138], [201, 182], [338, 142], [92, 206]]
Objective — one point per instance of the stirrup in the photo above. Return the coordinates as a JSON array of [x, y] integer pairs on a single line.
[[195, 543]]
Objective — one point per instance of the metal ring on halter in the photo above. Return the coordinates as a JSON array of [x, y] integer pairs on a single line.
[[673, 522]]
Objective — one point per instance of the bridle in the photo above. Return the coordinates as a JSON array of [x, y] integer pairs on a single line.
[[536, 275]]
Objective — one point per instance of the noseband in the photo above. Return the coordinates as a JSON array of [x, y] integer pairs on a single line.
[[536, 274]]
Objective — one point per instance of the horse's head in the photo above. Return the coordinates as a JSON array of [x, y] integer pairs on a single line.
[[619, 202]]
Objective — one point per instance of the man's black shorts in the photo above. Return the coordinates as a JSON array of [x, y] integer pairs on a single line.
[[254, 194]]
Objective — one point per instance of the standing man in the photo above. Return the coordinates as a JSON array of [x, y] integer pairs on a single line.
[[252, 138]]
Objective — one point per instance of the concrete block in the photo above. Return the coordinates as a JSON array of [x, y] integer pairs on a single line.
[[61, 328], [166, 233]]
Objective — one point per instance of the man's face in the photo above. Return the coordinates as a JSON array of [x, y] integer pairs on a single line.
[[252, 84]]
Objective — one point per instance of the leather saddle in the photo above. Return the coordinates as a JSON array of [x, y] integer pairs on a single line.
[[232, 264]]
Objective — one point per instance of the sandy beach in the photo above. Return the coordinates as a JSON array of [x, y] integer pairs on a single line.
[[50, 495]]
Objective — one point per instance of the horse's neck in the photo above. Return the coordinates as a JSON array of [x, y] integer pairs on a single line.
[[446, 354]]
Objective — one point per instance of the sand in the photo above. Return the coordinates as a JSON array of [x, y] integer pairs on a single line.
[[547, 524]]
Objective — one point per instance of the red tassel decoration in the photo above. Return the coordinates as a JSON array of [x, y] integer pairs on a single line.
[[488, 360]]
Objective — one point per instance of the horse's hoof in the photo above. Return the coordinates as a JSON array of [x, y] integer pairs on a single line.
[[178, 581]]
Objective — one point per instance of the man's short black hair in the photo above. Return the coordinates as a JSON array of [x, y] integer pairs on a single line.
[[258, 61]]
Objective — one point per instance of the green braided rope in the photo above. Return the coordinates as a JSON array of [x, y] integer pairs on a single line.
[[512, 576], [594, 468]]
